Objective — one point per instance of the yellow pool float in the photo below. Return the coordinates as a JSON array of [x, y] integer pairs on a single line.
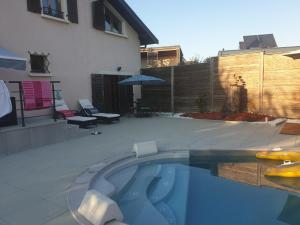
[[279, 155], [288, 169]]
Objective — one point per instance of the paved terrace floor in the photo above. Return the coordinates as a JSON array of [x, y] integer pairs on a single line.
[[33, 184]]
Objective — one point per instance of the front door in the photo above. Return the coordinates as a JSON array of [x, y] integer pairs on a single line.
[[110, 96]]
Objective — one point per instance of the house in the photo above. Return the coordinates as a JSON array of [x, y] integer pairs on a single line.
[[161, 56], [261, 41], [86, 45]]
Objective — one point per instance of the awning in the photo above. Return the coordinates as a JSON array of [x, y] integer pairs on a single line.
[[10, 60], [293, 54]]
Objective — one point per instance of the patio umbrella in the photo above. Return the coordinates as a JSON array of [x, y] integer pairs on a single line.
[[10, 60], [142, 80], [293, 54]]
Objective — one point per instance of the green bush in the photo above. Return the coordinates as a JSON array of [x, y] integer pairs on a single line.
[[202, 103]]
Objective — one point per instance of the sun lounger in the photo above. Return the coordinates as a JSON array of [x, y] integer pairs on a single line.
[[62, 109], [90, 110], [81, 120]]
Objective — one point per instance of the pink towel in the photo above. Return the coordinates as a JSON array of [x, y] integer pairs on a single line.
[[37, 95]]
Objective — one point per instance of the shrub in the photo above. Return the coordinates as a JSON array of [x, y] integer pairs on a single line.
[[202, 103]]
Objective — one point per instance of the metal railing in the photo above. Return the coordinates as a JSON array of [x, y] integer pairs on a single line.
[[20, 99], [53, 12]]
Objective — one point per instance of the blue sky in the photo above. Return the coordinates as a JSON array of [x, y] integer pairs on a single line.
[[202, 28]]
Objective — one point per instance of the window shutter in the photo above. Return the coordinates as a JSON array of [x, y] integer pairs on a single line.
[[72, 11], [34, 6], [98, 14]]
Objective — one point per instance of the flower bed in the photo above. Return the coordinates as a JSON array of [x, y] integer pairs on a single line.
[[249, 117]]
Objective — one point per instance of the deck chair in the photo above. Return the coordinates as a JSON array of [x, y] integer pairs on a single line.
[[143, 110], [62, 109], [90, 110]]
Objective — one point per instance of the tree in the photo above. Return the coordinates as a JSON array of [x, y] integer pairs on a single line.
[[197, 60]]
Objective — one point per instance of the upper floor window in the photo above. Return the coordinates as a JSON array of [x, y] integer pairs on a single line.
[[62, 10], [53, 8], [112, 23], [107, 19]]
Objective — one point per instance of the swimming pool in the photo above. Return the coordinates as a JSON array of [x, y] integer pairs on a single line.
[[209, 188]]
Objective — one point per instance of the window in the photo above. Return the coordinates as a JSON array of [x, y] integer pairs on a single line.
[[112, 23], [152, 55], [53, 8], [39, 63], [144, 55], [61, 10]]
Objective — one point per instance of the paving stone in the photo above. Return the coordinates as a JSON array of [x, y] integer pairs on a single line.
[[64, 219], [3, 222], [6, 190], [44, 174], [33, 213]]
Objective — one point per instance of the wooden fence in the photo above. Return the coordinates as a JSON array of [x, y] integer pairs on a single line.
[[185, 84], [270, 84]]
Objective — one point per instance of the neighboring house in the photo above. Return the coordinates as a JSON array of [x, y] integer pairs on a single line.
[[161, 56], [258, 42], [87, 45]]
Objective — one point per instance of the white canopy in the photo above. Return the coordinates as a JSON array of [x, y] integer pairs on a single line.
[[10, 60]]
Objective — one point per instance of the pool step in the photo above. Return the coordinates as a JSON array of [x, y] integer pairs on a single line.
[[167, 212], [136, 199], [141, 182], [163, 184], [123, 178]]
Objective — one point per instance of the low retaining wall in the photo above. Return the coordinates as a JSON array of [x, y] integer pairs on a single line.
[[18, 139]]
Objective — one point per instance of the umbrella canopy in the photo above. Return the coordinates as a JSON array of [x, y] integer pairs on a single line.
[[293, 54], [10, 60], [142, 80]]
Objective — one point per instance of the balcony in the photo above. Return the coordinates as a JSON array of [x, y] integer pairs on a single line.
[[53, 12]]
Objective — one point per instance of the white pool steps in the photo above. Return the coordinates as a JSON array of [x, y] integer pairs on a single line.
[[164, 185]]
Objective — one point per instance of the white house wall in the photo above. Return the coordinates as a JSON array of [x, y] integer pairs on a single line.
[[76, 50]]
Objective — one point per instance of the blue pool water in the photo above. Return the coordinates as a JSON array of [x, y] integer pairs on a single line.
[[206, 191]]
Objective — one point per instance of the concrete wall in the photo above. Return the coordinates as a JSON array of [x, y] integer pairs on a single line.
[[36, 136], [76, 50]]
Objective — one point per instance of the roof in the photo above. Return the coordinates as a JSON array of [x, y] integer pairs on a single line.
[[278, 50], [145, 35], [258, 41], [162, 48]]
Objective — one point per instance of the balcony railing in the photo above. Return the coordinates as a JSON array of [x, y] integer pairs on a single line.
[[53, 12]]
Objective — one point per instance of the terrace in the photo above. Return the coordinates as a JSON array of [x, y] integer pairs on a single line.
[[35, 183], [157, 167]]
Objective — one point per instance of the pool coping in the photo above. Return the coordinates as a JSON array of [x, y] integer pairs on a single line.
[[278, 121]]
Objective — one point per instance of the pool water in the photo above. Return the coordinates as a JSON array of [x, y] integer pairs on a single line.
[[205, 191]]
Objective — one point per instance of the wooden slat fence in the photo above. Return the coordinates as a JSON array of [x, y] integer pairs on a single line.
[[271, 84]]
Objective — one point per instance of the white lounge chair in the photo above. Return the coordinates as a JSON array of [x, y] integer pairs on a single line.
[[90, 110], [62, 109]]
